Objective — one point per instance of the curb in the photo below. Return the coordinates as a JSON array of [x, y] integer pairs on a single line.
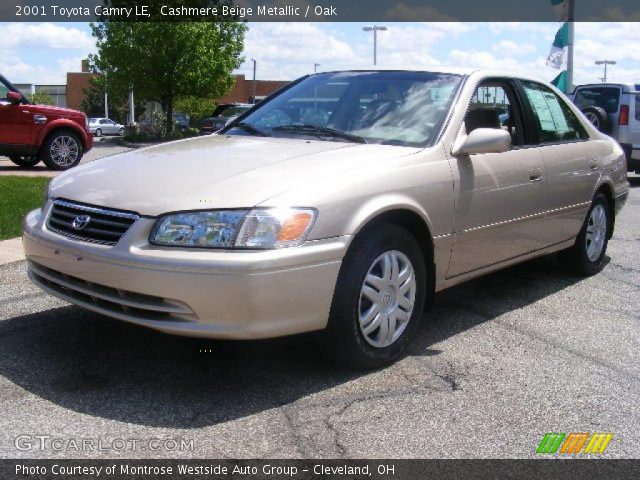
[[11, 250]]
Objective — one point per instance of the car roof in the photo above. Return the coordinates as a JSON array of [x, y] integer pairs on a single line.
[[447, 69], [626, 87]]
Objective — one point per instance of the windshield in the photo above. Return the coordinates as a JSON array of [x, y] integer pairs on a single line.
[[386, 107], [229, 110]]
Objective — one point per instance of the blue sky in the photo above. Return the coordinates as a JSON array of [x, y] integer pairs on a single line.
[[44, 52]]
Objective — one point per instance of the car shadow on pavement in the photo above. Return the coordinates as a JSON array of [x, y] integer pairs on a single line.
[[105, 368]]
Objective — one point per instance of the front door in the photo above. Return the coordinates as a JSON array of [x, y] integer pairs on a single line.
[[499, 197], [16, 123]]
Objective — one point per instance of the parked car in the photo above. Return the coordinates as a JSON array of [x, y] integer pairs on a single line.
[[275, 227], [222, 115], [181, 120], [105, 126], [614, 108], [30, 133]]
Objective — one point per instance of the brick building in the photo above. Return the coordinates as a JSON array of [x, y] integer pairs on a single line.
[[243, 89], [78, 82]]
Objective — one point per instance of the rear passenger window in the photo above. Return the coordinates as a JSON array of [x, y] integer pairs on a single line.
[[607, 98], [554, 120]]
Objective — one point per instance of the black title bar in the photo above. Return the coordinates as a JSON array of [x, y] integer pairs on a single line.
[[11, 469], [316, 10]]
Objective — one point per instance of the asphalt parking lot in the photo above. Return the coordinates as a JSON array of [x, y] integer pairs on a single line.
[[498, 362]]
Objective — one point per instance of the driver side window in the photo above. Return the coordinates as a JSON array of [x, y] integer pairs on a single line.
[[4, 90], [493, 105]]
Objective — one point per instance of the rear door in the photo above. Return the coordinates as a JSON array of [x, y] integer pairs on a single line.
[[634, 120], [570, 162]]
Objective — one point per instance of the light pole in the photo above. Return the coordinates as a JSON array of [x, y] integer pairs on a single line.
[[254, 79], [315, 67], [605, 63], [375, 29]]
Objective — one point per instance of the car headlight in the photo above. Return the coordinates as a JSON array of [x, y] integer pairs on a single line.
[[260, 228]]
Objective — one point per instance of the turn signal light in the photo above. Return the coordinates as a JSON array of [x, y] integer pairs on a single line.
[[294, 227]]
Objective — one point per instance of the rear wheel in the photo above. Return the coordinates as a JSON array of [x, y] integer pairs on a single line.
[[62, 150], [379, 298], [98, 132], [586, 257], [25, 161]]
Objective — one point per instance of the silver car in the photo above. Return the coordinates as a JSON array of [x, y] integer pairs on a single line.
[[104, 126], [614, 108], [341, 204]]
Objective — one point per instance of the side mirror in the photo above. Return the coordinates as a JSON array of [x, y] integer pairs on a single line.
[[14, 97], [482, 140]]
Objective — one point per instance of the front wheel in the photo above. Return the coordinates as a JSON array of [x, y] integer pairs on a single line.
[[62, 150], [25, 161], [586, 257], [379, 298]]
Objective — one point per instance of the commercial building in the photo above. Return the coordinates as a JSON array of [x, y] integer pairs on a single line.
[[79, 82]]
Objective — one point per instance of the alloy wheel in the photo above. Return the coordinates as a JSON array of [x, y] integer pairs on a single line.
[[64, 151]]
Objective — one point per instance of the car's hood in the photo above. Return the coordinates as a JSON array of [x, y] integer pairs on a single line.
[[63, 112], [211, 172]]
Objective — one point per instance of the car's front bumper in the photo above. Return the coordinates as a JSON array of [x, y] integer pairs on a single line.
[[194, 292]]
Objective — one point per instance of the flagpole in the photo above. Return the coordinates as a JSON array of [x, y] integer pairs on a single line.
[[571, 18]]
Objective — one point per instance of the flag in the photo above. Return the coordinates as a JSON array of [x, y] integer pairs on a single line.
[[558, 54], [561, 82], [562, 9]]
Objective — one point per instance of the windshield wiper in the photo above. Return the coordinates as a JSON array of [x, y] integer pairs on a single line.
[[318, 130], [247, 127]]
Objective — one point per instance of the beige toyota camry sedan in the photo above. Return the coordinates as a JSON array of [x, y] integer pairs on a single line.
[[341, 203]]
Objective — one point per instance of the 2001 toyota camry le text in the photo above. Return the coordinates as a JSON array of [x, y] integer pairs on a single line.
[[341, 203]]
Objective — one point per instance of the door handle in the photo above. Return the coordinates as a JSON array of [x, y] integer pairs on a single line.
[[39, 119], [535, 175], [593, 164]]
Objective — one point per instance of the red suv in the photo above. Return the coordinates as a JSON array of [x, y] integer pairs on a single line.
[[30, 133]]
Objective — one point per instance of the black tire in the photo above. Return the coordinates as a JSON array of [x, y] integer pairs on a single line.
[[121, 131], [48, 150], [576, 259], [598, 117], [25, 161], [98, 132], [344, 338]]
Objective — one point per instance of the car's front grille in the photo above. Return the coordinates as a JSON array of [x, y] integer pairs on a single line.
[[107, 300], [88, 223]]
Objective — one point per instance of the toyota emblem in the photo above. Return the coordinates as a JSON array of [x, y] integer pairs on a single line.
[[80, 222]]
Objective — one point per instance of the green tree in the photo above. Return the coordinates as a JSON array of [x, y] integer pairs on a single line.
[[93, 103], [196, 107], [40, 98], [165, 60]]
